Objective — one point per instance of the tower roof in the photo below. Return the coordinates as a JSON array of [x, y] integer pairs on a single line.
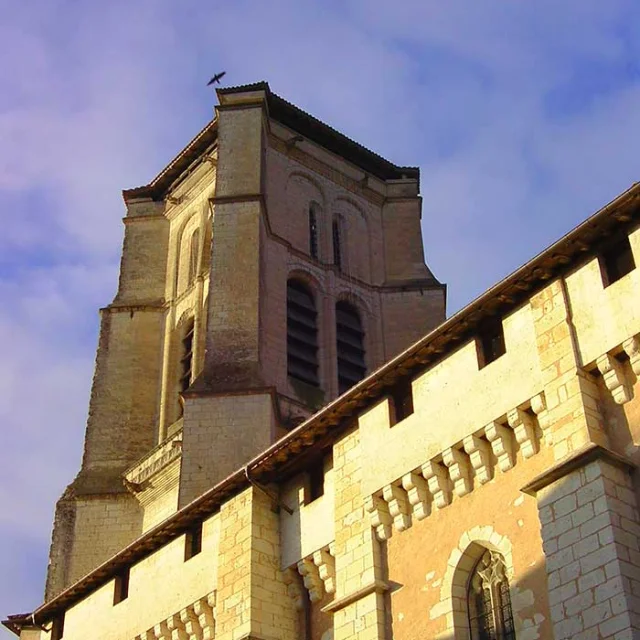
[[291, 117]]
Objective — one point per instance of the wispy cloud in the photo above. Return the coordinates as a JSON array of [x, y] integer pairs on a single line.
[[523, 117]]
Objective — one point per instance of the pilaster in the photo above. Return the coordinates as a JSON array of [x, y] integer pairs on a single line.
[[590, 532], [572, 413], [252, 600], [358, 606]]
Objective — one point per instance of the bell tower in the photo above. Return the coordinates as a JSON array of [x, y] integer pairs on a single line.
[[270, 266]]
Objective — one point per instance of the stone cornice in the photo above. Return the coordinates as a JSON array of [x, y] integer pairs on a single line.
[[577, 460]]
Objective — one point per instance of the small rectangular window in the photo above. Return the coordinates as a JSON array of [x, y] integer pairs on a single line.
[[616, 261], [401, 404], [57, 627], [490, 342], [121, 586], [315, 486], [193, 542]]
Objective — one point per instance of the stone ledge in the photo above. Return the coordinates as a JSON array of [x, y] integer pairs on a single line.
[[576, 460], [378, 586], [156, 460]]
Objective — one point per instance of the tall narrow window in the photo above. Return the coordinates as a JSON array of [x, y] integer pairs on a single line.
[[313, 231], [193, 541], [186, 358], [350, 343], [194, 249], [489, 601], [121, 586], [337, 248], [302, 334]]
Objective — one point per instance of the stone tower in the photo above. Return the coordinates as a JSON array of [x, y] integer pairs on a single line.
[[271, 265]]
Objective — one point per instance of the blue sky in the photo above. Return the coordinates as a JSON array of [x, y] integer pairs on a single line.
[[523, 116]]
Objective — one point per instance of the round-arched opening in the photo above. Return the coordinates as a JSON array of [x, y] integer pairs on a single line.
[[350, 346], [302, 333]]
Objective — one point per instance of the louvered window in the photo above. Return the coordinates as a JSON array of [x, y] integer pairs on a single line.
[[302, 334], [186, 359], [350, 339]]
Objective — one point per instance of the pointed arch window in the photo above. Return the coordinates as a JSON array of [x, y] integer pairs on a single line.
[[313, 230], [302, 334], [194, 249], [350, 346], [489, 601]]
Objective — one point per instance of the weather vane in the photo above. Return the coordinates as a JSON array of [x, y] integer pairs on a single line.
[[216, 78]]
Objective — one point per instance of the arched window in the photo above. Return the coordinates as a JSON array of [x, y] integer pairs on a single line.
[[313, 230], [302, 334], [488, 600], [186, 359], [350, 343], [194, 249], [337, 239]]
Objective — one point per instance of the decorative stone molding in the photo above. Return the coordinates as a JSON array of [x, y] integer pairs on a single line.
[[479, 453], [501, 440], [524, 429], [291, 578], [154, 462], [438, 481], [399, 507], [176, 628], [161, 631], [205, 610], [459, 470], [613, 374], [539, 407], [632, 349], [381, 519], [418, 495], [311, 579], [326, 563], [195, 622], [318, 573]]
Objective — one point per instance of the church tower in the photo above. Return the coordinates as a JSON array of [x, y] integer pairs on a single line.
[[269, 267]]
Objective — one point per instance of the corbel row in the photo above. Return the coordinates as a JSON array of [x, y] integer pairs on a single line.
[[613, 371], [458, 469], [317, 573], [195, 622]]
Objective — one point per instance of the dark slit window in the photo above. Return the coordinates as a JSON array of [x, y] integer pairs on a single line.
[[337, 248], [121, 586], [350, 339], [193, 541], [313, 231], [302, 334], [194, 247]]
